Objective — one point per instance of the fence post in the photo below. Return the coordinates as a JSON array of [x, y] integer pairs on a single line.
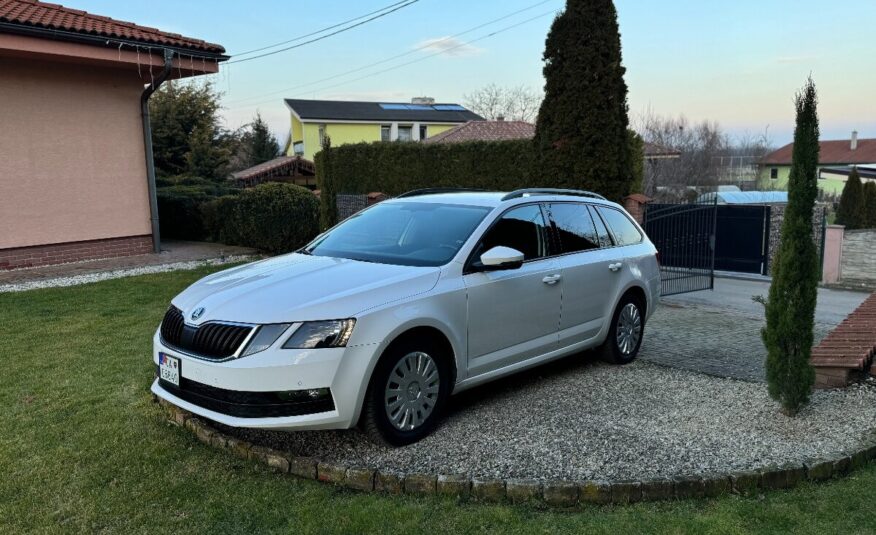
[[831, 270]]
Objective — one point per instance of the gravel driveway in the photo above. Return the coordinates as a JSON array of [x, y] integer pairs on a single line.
[[578, 419]]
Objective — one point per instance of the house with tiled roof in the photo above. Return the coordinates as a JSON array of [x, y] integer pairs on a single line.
[[835, 160], [76, 175], [356, 122], [499, 130]]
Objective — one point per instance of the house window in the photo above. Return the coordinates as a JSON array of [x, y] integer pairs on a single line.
[[385, 132], [774, 173], [321, 134], [406, 133], [423, 131]]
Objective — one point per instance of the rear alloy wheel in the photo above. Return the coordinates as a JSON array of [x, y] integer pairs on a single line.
[[407, 393], [625, 334]]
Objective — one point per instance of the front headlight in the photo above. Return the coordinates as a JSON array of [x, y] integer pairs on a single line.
[[264, 338], [318, 334]]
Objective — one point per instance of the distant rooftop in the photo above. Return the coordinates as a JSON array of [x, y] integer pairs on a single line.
[[341, 110], [33, 14], [485, 131], [831, 152]]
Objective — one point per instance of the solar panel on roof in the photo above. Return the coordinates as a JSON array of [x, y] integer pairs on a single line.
[[394, 106], [448, 107], [418, 107]]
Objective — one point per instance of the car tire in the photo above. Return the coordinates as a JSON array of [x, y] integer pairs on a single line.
[[407, 393], [625, 332]]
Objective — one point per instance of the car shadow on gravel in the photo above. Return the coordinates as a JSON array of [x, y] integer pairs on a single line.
[[521, 380]]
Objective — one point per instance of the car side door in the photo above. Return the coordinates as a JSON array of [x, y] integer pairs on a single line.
[[513, 314], [584, 261]]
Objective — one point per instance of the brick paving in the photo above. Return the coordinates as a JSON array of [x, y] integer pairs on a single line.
[[713, 340], [171, 252]]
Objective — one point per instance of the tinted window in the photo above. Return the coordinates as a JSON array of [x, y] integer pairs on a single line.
[[601, 230], [623, 229], [403, 233], [522, 229], [575, 227]]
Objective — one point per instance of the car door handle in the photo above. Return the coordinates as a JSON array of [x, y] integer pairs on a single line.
[[552, 279], [616, 266]]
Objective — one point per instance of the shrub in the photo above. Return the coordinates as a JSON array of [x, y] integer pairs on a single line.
[[852, 210], [870, 204], [272, 217], [179, 206], [790, 308]]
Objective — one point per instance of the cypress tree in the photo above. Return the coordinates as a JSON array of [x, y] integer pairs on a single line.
[[790, 308], [260, 143], [581, 132], [870, 204], [851, 211]]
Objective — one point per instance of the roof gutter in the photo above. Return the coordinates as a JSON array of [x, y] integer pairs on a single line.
[[83, 38], [147, 142]]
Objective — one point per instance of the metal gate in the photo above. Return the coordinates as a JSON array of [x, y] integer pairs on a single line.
[[684, 235], [742, 239]]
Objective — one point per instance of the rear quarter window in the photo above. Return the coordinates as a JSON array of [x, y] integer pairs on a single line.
[[625, 232]]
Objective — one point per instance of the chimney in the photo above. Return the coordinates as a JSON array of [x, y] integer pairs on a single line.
[[854, 139], [500, 117], [426, 101]]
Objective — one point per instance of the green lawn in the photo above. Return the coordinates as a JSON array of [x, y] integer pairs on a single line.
[[83, 449]]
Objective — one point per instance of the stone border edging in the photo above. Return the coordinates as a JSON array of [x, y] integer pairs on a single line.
[[558, 494]]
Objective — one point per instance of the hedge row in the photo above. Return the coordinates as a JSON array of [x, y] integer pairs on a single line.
[[394, 168], [271, 217]]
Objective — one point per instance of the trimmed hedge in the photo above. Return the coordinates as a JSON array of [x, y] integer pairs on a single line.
[[179, 206], [394, 168], [272, 217]]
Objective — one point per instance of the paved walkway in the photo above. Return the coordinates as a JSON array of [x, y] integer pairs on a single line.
[[172, 252], [718, 332]]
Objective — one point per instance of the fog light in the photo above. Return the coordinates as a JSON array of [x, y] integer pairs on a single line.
[[311, 394]]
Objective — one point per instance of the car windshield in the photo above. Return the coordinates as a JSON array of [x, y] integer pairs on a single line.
[[402, 233]]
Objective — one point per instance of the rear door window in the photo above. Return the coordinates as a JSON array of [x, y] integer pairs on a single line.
[[601, 230], [574, 227], [625, 232]]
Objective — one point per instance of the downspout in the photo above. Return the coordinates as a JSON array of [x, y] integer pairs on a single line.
[[147, 142]]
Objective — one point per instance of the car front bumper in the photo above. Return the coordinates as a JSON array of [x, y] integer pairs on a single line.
[[243, 392]]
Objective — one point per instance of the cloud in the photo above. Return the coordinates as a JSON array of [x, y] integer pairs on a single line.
[[450, 46], [796, 59]]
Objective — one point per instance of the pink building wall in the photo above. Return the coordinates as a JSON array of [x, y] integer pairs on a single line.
[[833, 254], [72, 162]]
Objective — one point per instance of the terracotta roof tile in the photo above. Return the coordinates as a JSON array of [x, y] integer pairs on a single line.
[[292, 163], [485, 131], [56, 17], [831, 152]]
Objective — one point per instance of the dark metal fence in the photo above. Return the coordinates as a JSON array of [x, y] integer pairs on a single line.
[[684, 235]]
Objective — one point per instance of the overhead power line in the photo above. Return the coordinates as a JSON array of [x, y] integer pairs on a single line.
[[394, 67], [392, 58], [321, 37], [317, 32]]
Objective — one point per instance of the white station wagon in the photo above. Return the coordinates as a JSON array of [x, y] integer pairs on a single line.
[[380, 319]]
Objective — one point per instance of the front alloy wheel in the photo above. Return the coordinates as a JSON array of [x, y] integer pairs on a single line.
[[406, 394]]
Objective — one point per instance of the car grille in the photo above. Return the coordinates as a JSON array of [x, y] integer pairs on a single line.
[[214, 341]]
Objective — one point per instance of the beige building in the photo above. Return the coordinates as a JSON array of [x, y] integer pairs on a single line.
[[74, 161]]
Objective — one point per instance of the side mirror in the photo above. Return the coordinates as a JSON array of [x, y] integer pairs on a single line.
[[501, 258]]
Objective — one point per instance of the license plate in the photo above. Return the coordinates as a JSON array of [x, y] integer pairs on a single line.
[[168, 369]]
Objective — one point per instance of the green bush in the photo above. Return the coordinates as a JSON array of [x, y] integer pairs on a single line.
[[179, 206], [870, 204], [852, 211], [272, 217]]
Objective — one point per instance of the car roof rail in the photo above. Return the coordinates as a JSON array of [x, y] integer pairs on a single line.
[[433, 191], [527, 192]]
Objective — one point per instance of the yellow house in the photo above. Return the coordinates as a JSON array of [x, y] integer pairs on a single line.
[[355, 122]]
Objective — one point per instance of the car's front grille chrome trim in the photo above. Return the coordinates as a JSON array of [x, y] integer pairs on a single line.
[[214, 340]]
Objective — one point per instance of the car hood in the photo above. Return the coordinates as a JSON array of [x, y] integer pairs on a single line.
[[297, 287]]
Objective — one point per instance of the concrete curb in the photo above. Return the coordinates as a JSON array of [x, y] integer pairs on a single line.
[[556, 494]]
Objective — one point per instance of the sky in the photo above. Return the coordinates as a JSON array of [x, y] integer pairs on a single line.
[[735, 62]]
